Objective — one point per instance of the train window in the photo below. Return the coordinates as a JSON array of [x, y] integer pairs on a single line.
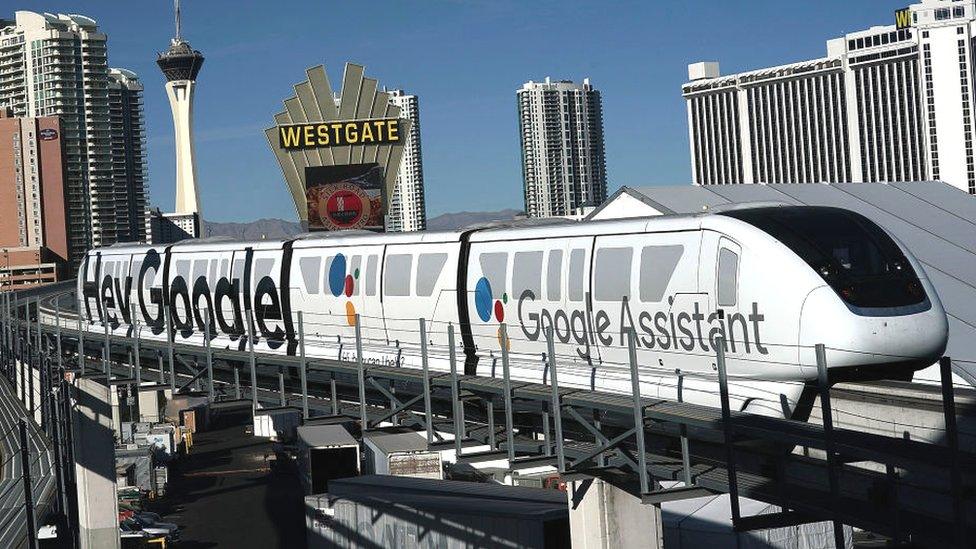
[[150, 279], [493, 267], [429, 268], [136, 269], [309, 266], [354, 265], [371, 275], [263, 268], [199, 271], [577, 275], [326, 288], [396, 275], [554, 275], [851, 253], [527, 274], [212, 277], [611, 280], [728, 277], [183, 269], [238, 273], [656, 269]]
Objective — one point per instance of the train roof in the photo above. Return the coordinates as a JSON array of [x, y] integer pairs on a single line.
[[517, 230]]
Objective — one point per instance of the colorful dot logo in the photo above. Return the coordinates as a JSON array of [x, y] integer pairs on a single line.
[[483, 302], [342, 283]]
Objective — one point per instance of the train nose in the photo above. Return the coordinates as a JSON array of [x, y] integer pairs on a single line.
[[882, 344]]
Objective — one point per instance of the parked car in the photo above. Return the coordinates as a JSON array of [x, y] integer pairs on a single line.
[[48, 531], [149, 515], [129, 529], [156, 528]]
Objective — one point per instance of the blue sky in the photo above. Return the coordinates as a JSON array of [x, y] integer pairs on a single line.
[[464, 59]]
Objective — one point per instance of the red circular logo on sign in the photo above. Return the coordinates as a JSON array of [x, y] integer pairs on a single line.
[[343, 206]]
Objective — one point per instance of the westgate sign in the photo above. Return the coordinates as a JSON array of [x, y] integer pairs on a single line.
[[337, 134], [326, 141]]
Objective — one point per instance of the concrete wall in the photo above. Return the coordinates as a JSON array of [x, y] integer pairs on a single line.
[[901, 411]]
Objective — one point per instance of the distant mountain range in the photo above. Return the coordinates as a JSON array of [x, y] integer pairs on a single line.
[[280, 228], [458, 220]]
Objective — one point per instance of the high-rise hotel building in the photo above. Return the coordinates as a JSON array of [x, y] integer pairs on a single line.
[[57, 65], [407, 210], [886, 104], [563, 161], [128, 155], [33, 230]]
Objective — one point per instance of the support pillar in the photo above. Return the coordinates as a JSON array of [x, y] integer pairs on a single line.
[[602, 516], [94, 458]]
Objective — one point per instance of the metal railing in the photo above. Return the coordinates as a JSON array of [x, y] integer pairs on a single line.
[[32, 434]]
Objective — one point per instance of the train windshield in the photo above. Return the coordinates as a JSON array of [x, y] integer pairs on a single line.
[[850, 252]]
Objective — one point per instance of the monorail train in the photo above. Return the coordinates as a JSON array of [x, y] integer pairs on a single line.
[[772, 282]]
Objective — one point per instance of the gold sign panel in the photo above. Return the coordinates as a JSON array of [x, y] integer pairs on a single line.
[[336, 134]]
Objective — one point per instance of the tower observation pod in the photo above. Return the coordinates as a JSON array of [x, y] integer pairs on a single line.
[[180, 65]]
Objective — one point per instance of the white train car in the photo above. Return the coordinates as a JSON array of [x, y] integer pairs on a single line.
[[771, 281]]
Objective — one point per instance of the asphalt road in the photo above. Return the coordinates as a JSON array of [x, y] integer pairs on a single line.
[[224, 494]]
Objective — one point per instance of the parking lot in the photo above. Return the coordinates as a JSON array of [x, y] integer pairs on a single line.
[[226, 493]]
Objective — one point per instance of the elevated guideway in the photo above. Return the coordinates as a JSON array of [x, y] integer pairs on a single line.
[[922, 490]]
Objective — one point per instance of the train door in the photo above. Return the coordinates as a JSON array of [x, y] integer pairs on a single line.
[[719, 276], [530, 301], [490, 303], [564, 306], [124, 281], [350, 282], [271, 324], [614, 280], [418, 282]]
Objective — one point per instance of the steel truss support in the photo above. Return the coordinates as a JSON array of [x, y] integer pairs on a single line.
[[609, 428]]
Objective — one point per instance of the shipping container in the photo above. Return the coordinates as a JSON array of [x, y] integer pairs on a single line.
[[388, 511], [401, 452], [326, 452]]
